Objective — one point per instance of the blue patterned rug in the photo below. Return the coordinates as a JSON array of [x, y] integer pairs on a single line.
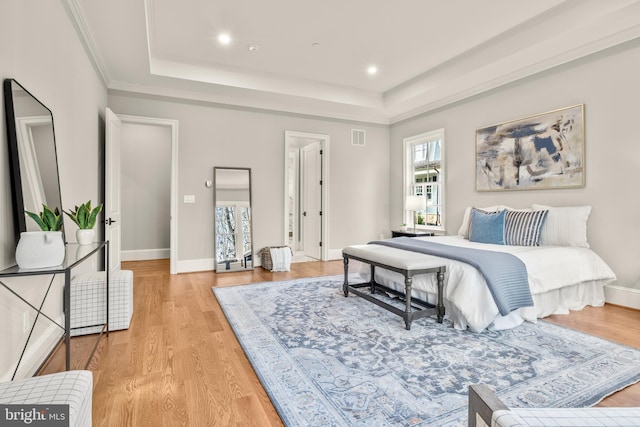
[[327, 360]]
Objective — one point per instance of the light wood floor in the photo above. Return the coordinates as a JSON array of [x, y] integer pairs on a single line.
[[179, 364]]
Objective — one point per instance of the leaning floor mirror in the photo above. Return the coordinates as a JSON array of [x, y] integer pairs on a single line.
[[32, 155], [232, 219]]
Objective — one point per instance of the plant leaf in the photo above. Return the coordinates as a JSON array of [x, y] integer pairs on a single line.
[[59, 223], [38, 221], [49, 218], [83, 216], [94, 215]]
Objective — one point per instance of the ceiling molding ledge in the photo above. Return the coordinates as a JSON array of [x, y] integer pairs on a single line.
[[295, 107], [262, 82], [76, 12]]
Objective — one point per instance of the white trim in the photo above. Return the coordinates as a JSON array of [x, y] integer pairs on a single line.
[[145, 254], [334, 254], [80, 23], [193, 265], [325, 143], [173, 125], [620, 295]]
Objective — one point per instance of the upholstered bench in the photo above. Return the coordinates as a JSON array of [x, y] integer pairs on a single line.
[[486, 409], [406, 263], [88, 305], [73, 388]]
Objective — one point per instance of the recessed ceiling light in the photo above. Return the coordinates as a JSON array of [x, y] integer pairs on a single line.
[[316, 44], [253, 47], [372, 70], [224, 38]]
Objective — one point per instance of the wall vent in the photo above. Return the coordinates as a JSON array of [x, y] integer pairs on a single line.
[[357, 137]]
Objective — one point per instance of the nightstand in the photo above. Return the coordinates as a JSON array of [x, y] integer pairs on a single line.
[[411, 233]]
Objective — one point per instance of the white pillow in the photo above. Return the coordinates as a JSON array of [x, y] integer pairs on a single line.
[[466, 219], [564, 226]]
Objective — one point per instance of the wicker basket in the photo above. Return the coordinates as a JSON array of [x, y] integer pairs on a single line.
[[265, 256]]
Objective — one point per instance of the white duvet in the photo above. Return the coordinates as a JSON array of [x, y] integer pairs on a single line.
[[561, 278]]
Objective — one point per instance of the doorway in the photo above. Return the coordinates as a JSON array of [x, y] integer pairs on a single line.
[[153, 143], [306, 202]]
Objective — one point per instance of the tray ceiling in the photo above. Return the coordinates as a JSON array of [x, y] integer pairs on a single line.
[[312, 57]]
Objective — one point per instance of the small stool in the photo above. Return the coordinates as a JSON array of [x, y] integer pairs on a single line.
[[88, 306]]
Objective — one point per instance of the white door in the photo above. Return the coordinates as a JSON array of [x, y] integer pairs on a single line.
[[312, 200], [112, 191]]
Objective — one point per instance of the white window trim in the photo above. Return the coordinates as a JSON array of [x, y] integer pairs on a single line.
[[407, 178]]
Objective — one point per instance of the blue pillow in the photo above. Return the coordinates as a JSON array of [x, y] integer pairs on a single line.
[[487, 227]]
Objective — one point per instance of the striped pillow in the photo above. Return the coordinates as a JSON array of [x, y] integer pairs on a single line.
[[522, 228]]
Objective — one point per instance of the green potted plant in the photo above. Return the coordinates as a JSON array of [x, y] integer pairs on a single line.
[[85, 218], [45, 248]]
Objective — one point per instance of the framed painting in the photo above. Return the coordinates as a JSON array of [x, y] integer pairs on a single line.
[[538, 152]]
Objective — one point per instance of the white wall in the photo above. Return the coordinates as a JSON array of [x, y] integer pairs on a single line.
[[146, 190], [607, 83], [40, 49], [212, 135]]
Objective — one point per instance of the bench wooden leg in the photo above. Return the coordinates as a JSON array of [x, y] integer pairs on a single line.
[[345, 285], [440, 305], [407, 297], [372, 280]]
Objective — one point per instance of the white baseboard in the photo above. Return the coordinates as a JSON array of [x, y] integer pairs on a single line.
[[335, 254], [36, 352], [620, 295], [144, 254], [193, 265]]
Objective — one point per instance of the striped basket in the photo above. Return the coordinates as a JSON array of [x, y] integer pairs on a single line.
[[265, 256]]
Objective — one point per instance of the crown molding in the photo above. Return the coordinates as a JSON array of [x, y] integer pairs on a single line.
[[76, 12]]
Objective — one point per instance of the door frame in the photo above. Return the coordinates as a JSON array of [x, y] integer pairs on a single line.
[[173, 219], [289, 137]]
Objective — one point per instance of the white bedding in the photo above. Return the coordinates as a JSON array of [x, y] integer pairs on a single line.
[[561, 278]]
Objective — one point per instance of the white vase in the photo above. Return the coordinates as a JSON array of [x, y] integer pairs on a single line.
[[40, 249], [85, 236]]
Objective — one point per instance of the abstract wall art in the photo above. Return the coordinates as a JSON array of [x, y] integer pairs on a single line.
[[538, 152]]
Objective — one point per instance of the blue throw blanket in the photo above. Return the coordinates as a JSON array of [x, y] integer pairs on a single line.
[[505, 274]]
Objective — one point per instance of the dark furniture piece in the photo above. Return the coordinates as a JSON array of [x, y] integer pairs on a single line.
[[482, 403], [408, 314], [75, 255], [411, 233]]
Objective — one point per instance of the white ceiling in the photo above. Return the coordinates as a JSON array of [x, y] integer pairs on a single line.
[[429, 52]]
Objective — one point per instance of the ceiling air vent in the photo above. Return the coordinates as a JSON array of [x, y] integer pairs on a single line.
[[357, 137]]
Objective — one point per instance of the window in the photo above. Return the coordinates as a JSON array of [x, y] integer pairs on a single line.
[[424, 176], [233, 242]]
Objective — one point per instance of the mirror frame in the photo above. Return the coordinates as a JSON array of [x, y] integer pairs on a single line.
[[215, 228], [20, 223]]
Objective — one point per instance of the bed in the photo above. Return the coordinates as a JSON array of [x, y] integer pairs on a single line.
[[563, 272]]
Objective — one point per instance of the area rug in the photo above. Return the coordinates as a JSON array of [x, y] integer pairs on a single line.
[[327, 360]]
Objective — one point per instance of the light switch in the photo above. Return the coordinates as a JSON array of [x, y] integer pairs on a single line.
[[189, 198]]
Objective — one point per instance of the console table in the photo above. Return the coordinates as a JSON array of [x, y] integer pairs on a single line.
[[75, 255]]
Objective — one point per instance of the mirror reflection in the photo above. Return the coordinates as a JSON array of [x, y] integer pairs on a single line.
[[32, 148], [232, 219]]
